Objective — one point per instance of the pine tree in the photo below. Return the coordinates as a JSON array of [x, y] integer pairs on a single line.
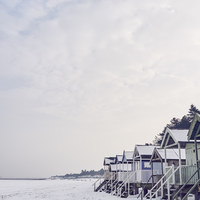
[[184, 123], [192, 111], [175, 122]]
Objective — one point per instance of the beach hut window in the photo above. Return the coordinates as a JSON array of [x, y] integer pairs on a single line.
[[146, 165]]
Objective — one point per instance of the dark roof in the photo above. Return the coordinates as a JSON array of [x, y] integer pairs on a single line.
[[118, 159], [109, 160]]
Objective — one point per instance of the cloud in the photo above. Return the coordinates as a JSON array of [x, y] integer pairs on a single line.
[[94, 69]]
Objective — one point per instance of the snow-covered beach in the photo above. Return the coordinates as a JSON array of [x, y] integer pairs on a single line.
[[78, 189]]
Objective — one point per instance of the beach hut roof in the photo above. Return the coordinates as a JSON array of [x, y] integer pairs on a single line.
[[194, 130], [171, 154], [109, 160], [144, 150], [118, 158], [127, 156], [174, 136]]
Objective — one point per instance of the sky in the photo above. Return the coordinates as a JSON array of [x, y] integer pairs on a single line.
[[85, 79]]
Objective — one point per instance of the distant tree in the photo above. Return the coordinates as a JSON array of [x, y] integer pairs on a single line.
[[192, 111], [158, 138], [175, 122], [184, 123], [101, 172], [85, 173], [148, 144]]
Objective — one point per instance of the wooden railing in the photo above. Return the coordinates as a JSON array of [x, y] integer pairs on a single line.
[[191, 189], [97, 183], [160, 184], [185, 172], [127, 180], [114, 184], [188, 182], [178, 176], [110, 181]]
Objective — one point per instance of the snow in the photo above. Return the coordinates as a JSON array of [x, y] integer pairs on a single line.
[[78, 189], [179, 135], [145, 149], [118, 158], [171, 153], [127, 155], [110, 160]]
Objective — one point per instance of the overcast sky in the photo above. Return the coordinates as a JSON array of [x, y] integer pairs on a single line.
[[84, 79]]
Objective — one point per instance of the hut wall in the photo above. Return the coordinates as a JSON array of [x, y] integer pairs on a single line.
[[157, 168], [138, 176], [145, 175], [190, 153], [109, 175]]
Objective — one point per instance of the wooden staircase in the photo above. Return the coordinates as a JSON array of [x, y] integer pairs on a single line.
[[124, 188], [100, 187], [169, 192], [114, 185], [126, 192], [162, 188]]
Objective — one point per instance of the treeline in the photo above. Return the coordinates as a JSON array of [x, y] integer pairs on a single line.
[[84, 173], [178, 123]]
